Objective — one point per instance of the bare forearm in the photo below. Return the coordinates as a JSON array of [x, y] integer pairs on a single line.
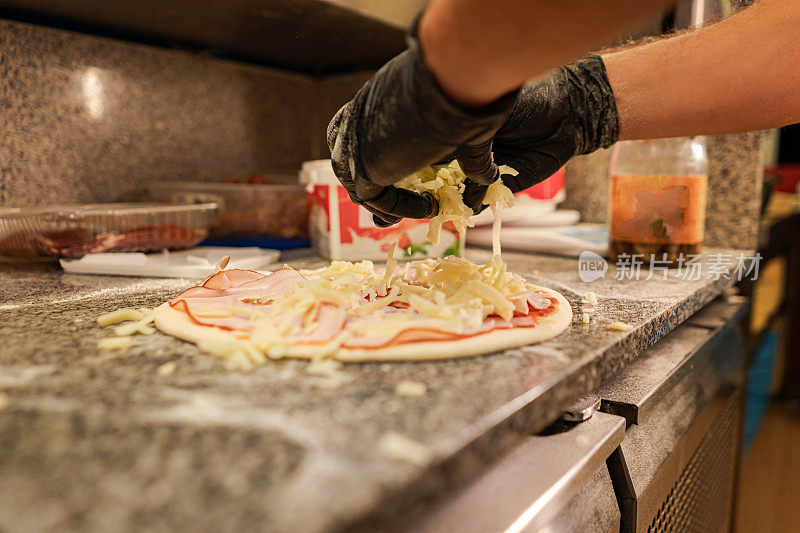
[[738, 75], [479, 50]]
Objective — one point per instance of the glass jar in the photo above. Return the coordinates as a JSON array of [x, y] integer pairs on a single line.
[[658, 198]]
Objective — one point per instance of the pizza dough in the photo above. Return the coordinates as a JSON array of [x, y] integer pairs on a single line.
[[180, 325]]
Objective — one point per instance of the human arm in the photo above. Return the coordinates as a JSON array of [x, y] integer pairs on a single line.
[[479, 49], [403, 118], [737, 75], [692, 83]]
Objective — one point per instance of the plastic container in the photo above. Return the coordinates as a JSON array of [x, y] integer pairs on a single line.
[[658, 199], [72, 231], [342, 230], [245, 209], [788, 177]]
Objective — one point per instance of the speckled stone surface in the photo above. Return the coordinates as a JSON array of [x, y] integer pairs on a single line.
[[735, 177], [89, 119], [586, 185], [94, 440]]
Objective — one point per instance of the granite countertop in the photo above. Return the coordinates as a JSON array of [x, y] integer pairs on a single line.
[[106, 441]]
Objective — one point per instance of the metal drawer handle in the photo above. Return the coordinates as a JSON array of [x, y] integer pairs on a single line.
[[583, 409]]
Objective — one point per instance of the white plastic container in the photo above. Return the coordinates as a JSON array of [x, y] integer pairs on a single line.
[[342, 230]]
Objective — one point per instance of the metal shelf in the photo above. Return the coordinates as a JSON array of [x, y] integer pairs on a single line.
[[309, 36]]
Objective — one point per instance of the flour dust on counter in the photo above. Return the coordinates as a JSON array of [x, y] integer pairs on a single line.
[[421, 310]]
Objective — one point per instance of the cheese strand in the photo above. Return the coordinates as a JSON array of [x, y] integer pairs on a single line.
[[496, 231]]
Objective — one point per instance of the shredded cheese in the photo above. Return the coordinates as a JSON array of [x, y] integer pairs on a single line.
[[139, 326], [391, 265], [498, 197], [398, 447], [114, 343], [378, 303], [237, 354], [446, 184], [619, 326], [120, 315], [410, 389], [590, 298], [323, 367], [238, 361], [589, 302], [167, 369]]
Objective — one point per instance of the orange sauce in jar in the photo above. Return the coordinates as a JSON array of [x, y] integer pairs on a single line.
[[657, 214]]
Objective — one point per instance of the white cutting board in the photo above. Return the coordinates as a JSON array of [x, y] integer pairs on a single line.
[[193, 263], [564, 240], [529, 215]]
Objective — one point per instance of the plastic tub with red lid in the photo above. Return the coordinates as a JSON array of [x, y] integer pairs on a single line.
[[342, 230]]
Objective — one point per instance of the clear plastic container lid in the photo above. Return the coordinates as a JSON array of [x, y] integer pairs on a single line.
[[245, 209], [76, 230], [88, 210], [194, 263]]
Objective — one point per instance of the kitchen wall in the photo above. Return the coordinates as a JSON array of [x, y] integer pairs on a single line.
[[88, 119], [91, 119], [332, 93]]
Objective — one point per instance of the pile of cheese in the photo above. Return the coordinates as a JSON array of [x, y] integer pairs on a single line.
[[446, 183], [452, 293]]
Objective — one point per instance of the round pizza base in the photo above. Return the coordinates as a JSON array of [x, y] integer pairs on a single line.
[[179, 325]]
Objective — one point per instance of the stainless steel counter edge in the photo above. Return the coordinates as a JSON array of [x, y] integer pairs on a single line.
[[647, 379], [529, 486]]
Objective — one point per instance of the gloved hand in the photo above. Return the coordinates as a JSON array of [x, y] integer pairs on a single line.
[[398, 122], [568, 112]]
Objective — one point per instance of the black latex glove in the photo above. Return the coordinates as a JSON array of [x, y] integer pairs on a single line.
[[566, 113], [399, 122]]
